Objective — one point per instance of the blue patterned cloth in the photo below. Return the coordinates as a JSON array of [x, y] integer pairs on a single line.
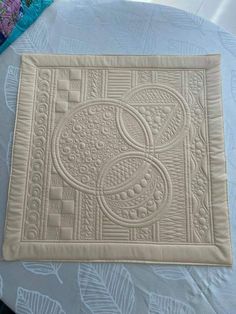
[[16, 16], [117, 27]]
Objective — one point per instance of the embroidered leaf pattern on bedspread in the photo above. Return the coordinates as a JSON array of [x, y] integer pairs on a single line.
[[33, 302], [159, 304], [106, 289], [10, 87], [33, 40], [169, 272], [43, 268], [228, 41]]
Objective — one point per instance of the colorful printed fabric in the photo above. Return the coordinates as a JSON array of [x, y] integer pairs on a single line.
[[16, 16]]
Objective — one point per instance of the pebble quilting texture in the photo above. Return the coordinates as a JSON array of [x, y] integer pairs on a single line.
[[119, 158]]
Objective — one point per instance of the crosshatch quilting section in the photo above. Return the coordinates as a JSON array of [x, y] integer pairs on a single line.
[[122, 154]]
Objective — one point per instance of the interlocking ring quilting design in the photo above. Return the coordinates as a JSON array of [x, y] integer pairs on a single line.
[[106, 148], [144, 195], [168, 121]]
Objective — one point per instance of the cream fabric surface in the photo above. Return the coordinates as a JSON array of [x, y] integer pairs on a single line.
[[119, 158]]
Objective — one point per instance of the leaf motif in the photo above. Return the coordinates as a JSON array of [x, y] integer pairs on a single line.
[[10, 87], [70, 45], [182, 19], [168, 272], [228, 41], [43, 269], [9, 151], [218, 275], [33, 302], [1, 286], [35, 39], [106, 288], [159, 304], [185, 48], [85, 310]]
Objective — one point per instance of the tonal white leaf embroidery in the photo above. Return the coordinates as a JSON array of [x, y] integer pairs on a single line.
[[85, 310], [106, 288], [70, 45], [43, 268], [1, 286], [35, 39], [182, 19], [216, 276], [10, 87], [228, 41], [33, 302], [168, 272], [159, 304]]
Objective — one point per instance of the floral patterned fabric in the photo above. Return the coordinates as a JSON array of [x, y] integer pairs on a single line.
[[117, 27], [16, 16]]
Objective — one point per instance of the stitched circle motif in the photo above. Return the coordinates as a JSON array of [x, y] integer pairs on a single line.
[[165, 111], [143, 195], [93, 133]]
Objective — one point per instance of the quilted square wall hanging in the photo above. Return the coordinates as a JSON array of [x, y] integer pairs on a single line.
[[119, 159]]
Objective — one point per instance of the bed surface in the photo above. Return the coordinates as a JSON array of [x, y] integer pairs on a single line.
[[117, 27]]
